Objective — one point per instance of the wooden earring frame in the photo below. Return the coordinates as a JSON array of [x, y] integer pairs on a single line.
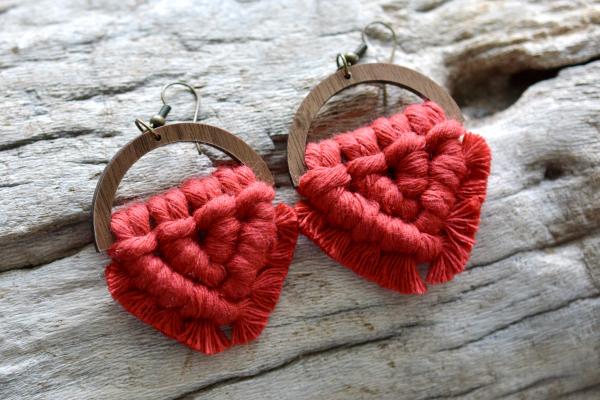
[[149, 140], [392, 74]]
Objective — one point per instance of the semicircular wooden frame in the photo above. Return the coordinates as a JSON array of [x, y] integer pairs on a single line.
[[146, 142], [396, 75]]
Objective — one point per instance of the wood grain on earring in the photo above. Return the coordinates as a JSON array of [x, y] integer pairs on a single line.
[[366, 73], [146, 142]]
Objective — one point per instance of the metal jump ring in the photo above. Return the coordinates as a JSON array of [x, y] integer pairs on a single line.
[[344, 64], [144, 127]]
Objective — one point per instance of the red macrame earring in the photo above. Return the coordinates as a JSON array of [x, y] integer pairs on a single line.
[[203, 263], [404, 190]]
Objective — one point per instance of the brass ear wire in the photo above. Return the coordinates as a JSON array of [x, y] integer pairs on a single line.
[[160, 118], [193, 91], [364, 35], [345, 60], [190, 88]]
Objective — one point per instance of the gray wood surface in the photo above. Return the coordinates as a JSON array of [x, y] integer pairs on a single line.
[[522, 322]]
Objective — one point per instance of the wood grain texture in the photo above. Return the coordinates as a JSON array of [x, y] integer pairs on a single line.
[[355, 75], [152, 139], [522, 322]]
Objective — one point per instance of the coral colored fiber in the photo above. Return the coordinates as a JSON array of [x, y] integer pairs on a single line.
[[403, 191], [203, 259]]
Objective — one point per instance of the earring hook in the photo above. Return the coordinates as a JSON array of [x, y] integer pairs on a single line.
[[190, 88], [159, 119], [193, 91], [364, 35], [345, 60]]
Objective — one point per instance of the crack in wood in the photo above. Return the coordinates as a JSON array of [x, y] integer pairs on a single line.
[[503, 328], [462, 393], [46, 136], [481, 93], [287, 363], [567, 240], [340, 312], [532, 385], [594, 389], [68, 252], [14, 184]]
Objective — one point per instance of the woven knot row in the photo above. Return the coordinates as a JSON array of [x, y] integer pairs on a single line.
[[210, 253], [198, 228], [390, 193]]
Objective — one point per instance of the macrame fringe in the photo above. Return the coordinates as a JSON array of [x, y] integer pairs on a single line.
[[390, 271]]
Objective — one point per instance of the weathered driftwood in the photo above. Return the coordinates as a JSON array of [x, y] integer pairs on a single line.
[[522, 322]]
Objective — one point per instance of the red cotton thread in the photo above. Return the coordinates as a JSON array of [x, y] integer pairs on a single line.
[[405, 190], [204, 258]]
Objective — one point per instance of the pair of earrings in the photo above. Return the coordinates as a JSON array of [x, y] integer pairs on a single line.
[[205, 263]]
